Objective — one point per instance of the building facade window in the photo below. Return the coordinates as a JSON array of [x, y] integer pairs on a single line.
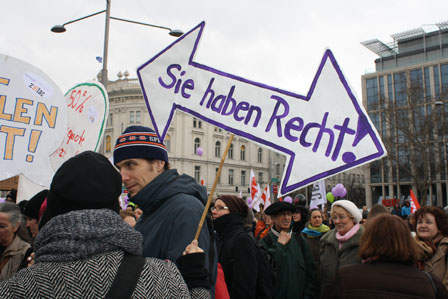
[[444, 74], [243, 178], [401, 98], [138, 115], [260, 155], [197, 143], [382, 92], [260, 178], [427, 85], [230, 152], [110, 121], [197, 123], [372, 93], [375, 118], [218, 149], [108, 144], [131, 117], [417, 85], [230, 176], [197, 174], [216, 175], [243, 153], [436, 81]]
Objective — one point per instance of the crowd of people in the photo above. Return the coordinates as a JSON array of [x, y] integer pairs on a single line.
[[75, 241]]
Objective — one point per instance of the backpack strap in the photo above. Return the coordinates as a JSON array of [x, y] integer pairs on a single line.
[[127, 276]]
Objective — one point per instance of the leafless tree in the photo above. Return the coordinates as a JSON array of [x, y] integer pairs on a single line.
[[413, 129]]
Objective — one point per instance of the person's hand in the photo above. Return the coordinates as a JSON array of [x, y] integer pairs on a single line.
[[193, 248], [284, 238], [30, 259]]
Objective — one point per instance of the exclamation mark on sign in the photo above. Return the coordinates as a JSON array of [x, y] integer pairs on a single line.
[[361, 132], [34, 141]]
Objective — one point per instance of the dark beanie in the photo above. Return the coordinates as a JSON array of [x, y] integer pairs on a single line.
[[85, 181], [139, 142], [235, 204], [32, 207]]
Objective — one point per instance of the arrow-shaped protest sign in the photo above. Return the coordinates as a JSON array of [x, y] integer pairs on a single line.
[[321, 133]]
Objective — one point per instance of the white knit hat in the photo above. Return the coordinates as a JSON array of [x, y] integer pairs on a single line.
[[350, 207]]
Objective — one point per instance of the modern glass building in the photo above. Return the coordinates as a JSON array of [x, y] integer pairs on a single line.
[[407, 100]]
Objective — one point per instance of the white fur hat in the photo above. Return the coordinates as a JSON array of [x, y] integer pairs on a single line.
[[349, 207]]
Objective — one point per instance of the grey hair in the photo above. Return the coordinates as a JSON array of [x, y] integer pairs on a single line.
[[13, 212]]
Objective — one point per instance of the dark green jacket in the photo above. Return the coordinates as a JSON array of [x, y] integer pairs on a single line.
[[296, 273], [331, 258]]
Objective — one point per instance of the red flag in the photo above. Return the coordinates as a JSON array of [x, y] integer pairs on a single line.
[[266, 196], [414, 202], [253, 185]]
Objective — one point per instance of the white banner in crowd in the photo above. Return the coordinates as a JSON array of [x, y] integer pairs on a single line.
[[318, 195], [88, 107], [323, 132], [33, 121]]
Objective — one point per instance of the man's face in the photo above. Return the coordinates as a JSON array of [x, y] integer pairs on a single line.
[[282, 220], [137, 173]]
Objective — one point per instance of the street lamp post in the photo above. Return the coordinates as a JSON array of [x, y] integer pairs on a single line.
[[61, 29]]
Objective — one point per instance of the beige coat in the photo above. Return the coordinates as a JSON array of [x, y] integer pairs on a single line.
[[15, 252], [437, 263]]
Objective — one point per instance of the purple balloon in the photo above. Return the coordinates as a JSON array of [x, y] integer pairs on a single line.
[[199, 151], [288, 199], [339, 190], [249, 201]]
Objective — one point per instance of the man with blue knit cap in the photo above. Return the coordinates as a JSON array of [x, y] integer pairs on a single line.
[[172, 204]]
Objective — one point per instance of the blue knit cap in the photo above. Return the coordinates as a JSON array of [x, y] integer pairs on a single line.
[[139, 142]]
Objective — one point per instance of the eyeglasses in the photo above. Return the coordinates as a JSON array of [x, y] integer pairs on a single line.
[[341, 218], [219, 208]]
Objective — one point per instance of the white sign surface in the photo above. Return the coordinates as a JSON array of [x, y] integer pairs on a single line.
[[322, 133], [33, 120], [88, 107]]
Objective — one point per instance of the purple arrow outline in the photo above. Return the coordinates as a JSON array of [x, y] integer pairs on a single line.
[[363, 127]]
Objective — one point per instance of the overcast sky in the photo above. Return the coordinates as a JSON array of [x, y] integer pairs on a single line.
[[279, 43]]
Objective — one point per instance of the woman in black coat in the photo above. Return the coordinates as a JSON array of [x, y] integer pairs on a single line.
[[237, 250]]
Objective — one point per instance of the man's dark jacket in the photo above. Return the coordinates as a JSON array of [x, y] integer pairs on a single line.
[[172, 206]]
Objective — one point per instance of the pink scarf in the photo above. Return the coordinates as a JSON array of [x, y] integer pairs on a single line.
[[347, 236]]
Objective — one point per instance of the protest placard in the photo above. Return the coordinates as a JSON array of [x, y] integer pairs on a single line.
[[33, 120], [88, 107], [322, 133]]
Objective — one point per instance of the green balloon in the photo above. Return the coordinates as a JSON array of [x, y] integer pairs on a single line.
[[330, 197]]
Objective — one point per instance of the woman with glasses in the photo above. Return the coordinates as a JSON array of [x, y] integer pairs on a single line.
[[237, 250], [340, 246]]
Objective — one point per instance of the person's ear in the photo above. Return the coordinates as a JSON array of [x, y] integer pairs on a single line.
[[159, 165]]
